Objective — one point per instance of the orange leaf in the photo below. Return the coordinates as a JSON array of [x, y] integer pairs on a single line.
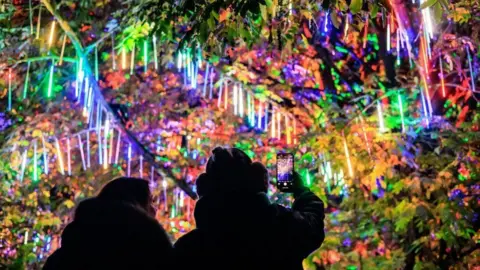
[[224, 14]]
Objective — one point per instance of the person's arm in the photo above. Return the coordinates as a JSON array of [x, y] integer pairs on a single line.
[[306, 224]]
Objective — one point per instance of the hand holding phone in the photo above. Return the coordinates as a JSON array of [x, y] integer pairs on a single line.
[[285, 172]]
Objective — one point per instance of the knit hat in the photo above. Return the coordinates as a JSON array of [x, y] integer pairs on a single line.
[[228, 170]]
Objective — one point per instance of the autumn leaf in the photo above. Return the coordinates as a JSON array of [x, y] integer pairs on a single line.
[[224, 15]]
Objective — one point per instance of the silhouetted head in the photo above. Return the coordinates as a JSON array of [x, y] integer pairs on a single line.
[[133, 191], [230, 170], [260, 176]]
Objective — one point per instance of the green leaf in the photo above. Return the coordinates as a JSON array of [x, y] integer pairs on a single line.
[[428, 3], [263, 11], [438, 11], [374, 11], [356, 6]]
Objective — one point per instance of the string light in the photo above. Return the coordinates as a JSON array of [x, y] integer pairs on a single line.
[[279, 125], [260, 110], [272, 134], [235, 99], [240, 100], [220, 91], [88, 149], [96, 64], [110, 154], [388, 36], [9, 89], [38, 22], [59, 156], [424, 105], [179, 60], [287, 128], [132, 60], [50, 80], [442, 78], [105, 144], [52, 32], [24, 165], [205, 79], [45, 158], [141, 166], [145, 55], [472, 74], [225, 103], [294, 131], [82, 155], [69, 166], [27, 79], [64, 42], [129, 158], [117, 151], [35, 173], [347, 155], [155, 55]]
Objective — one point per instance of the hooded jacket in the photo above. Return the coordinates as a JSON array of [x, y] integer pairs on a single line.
[[246, 231], [111, 235]]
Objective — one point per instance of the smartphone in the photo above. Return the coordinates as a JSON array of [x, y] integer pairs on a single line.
[[285, 171]]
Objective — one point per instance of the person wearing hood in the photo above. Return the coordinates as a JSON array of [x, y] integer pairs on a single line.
[[237, 227], [115, 230]]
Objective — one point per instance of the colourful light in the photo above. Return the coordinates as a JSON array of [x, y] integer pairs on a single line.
[[155, 55], [347, 155], [105, 144], [325, 26], [442, 77], [52, 32], [39, 21], [35, 173], [45, 159], [260, 111], [69, 161], [64, 42], [145, 55], [79, 79], [279, 126], [272, 134], [86, 100], [132, 60], [225, 104], [472, 75], [425, 110], [388, 36], [27, 79], [88, 149], [427, 96], [96, 64], [50, 80], [220, 91], [24, 165], [9, 89], [235, 99], [307, 177], [141, 166], [179, 60], [294, 131], [240, 100], [205, 79], [82, 155], [117, 151], [110, 154], [129, 159], [287, 128], [59, 157]]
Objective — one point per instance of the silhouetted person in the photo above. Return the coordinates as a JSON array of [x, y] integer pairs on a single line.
[[238, 227], [115, 230]]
